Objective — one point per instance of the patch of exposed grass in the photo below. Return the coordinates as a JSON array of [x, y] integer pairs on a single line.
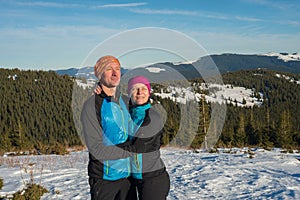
[[32, 192]]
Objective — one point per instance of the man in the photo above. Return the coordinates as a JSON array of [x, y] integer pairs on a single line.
[[105, 120]]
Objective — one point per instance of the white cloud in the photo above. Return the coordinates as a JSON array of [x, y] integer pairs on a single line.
[[47, 4], [210, 15], [249, 19], [164, 12], [290, 22], [50, 46], [66, 5], [268, 3], [123, 5]]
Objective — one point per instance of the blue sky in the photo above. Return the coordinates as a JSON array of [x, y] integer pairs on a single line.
[[58, 34]]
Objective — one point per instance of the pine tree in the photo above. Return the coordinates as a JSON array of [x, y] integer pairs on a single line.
[[285, 130]]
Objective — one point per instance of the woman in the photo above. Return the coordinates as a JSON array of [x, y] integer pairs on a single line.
[[149, 174]]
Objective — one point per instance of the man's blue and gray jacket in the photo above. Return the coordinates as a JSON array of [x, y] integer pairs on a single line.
[[105, 124]]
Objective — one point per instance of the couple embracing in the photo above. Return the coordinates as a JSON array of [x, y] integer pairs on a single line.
[[123, 135]]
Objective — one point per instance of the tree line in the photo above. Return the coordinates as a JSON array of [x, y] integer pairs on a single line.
[[37, 112], [275, 123]]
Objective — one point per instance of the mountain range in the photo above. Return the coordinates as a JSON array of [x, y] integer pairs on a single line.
[[223, 63]]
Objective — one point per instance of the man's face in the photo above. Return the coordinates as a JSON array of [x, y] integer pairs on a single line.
[[111, 75]]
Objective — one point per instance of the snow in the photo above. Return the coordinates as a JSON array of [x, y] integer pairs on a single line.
[[284, 56], [225, 93], [290, 79], [185, 62], [13, 77], [218, 93], [155, 69], [230, 174], [89, 83]]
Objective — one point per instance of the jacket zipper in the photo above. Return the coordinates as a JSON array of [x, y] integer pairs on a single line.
[[137, 163], [124, 128], [107, 166]]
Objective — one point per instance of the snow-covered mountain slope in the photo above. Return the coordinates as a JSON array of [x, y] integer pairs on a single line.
[[284, 56], [228, 94]]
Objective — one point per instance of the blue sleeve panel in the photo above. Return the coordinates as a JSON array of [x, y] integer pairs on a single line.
[[114, 119]]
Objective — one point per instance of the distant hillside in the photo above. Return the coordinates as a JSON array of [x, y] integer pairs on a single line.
[[236, 62], [225, 63], [70, 71], [85, 72]]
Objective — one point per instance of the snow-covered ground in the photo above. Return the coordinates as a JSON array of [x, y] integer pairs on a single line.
[[268, 175]]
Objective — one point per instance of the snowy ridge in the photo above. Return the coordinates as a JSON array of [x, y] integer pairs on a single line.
[[284, 56], [229, 94], [184, 62], [79, 74]]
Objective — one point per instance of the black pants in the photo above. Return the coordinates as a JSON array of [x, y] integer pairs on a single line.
[[108, 190], [150, 188]]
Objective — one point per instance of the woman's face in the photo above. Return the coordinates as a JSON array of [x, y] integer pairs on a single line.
[[139, 94]]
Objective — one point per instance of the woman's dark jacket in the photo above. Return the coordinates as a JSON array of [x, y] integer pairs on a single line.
[[148, 127]]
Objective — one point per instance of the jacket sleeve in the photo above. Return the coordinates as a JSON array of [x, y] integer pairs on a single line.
[[92, 133]]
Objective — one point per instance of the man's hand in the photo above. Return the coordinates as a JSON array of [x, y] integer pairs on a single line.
[[97, 89]]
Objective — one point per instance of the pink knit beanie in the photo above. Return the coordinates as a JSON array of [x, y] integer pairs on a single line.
[[138, 79]]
